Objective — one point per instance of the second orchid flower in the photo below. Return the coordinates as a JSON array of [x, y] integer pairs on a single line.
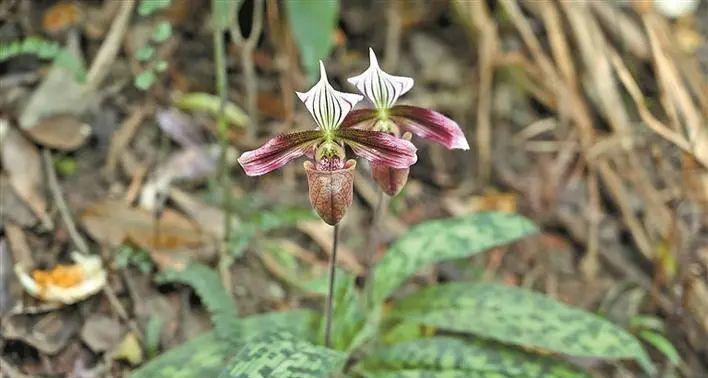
[[383, 90]]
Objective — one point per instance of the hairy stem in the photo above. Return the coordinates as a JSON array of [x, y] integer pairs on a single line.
[[374, 236], [330, 292], [221, 89]]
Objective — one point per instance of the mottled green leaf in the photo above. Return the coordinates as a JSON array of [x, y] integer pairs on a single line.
[[207, 355], [520, 317], [417, 373], [299, 323], [281, 355], [203, 356], [444, 239], [348, 315], [313, 23], [475, 358], [207, 284]]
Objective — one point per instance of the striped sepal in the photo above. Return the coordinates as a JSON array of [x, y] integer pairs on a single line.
[[328, 106], [381, 88]]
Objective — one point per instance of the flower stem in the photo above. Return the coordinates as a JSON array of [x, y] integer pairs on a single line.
[[330, 292], [379, 214]]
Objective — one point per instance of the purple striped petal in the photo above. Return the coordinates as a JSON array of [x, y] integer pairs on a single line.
[[379, 148], [360, 118], [429, 124], [278, 151]]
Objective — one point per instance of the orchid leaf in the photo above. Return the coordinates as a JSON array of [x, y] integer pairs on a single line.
[[442, 240], [521, 317], [448, 356], [313, 24], [281, 355], [203, 356], [206, 355]]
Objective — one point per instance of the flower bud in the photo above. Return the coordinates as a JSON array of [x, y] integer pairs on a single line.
[[390, 180], [331, 191]]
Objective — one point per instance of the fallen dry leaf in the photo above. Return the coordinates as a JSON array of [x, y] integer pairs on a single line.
[[64, 132], [172, 240], [101, 332], [49, 332], [192, 163], [180, 127], [59, 93], [64, 283], [21, 161]]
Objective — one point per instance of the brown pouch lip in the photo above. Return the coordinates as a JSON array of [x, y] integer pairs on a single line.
[[330, 192]]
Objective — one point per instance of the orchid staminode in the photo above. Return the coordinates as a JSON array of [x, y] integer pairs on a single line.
[[330, 178], [383, 90]]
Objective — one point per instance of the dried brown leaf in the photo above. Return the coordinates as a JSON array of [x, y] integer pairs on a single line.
[[64, 132], [21, 161]]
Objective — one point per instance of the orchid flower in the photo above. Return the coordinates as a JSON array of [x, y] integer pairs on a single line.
[[383, 89], [330, 177]]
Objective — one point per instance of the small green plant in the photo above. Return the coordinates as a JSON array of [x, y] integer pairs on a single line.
[[146, 55], [44, 49], [462, 329], [138, 258]]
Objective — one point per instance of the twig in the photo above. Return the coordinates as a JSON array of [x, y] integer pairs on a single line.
[[79, 242], [330, 292], [247, 46], [109, 48]]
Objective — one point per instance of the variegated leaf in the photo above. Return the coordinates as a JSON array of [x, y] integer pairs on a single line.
[[440, 355], [207, 354], [445, 239], [203, 356], [282, 355], [521, 317]]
